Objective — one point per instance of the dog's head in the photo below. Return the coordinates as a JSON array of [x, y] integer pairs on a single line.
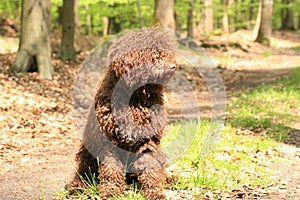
[[143, 56]]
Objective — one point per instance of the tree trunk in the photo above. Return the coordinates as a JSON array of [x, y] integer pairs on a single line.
[[298, 21], [282, 13], [251, 13], [77, 37], [164, 13], [177, 22], [289, 21], [190, 21], [140, 13], [88, 21], [113, 26], [225, 19], [76, 18], [199, 29], [67, 42], [238, 17], [105, 26], [209, 16], [263, 29], [17, 13], [34, 44]]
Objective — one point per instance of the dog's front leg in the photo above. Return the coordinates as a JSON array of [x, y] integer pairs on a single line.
[[151, 183], [112, 180], [151, 175]]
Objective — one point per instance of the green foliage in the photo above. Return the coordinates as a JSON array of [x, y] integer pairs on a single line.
[[266, 54], [124, 12], [297, 48], [242, 14], [10, 9], [113, 2]]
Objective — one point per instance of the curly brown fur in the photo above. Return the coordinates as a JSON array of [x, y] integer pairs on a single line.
[[127, 116]]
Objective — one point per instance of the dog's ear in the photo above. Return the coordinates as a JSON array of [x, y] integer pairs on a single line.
[[123, 62], [128, 66]]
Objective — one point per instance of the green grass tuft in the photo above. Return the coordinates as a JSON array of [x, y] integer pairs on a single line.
[[266, 54]]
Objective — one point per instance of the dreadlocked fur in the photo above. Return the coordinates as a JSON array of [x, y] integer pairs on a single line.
[[126, 120]]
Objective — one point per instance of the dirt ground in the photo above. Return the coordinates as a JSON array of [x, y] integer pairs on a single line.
[[38, 140]]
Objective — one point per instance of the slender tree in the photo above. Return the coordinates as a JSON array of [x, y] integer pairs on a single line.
[[190, 19], [76, 19], [298, 21], [282, 13], [34, 49], [200, 22], [225, 18], [140, 13], [105, 22], [263, 28], [68, 30], [209, 16], [177, 21], [251, 13], [114, 22], [88, 21], [164, 13], [288, 21]]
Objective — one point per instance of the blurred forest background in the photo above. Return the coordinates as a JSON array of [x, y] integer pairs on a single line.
[[96, 19]]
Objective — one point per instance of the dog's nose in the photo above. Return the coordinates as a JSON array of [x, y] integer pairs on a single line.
[[172, 66]]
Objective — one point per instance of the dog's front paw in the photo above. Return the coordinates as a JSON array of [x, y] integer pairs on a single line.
[[153, 193], [74, 185], [110, 190]]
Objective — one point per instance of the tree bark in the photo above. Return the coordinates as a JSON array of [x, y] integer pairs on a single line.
[[190, 20], [263, 29], [177, 22], [289, 22], [199, 28], [225, 18], [113, 26], [282, 14], [164, 13], [88, 21], [227, 21], [238, 17], [251, 13], [67, 42], [34, 47], [105, 26], [209, 16], [140, 13], [17, 13], [298, 21], [76, 18]]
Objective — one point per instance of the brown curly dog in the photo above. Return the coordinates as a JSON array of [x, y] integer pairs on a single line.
[[121, 140]]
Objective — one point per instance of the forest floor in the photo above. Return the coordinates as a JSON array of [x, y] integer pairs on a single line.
[[38, 140]]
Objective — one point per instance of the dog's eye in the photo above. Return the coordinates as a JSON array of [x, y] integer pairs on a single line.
[[172, 66]]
